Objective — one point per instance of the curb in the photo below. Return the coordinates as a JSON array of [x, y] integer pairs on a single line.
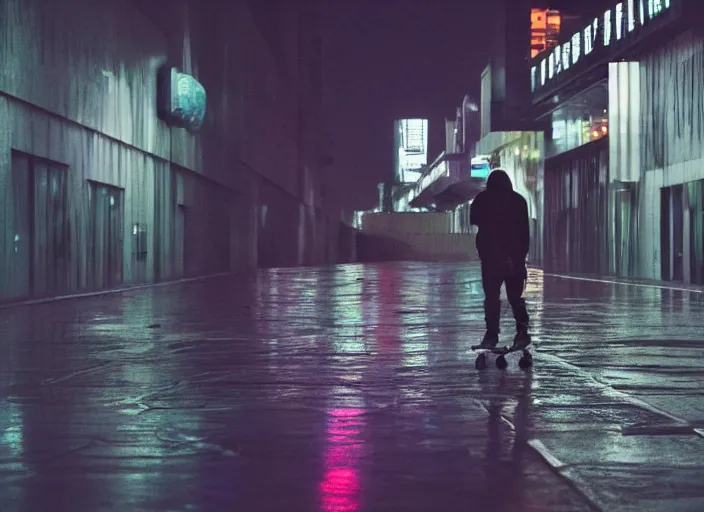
[[693, 289], [111, 291]]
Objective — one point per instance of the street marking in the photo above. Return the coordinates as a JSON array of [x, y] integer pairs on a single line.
[[109, 291], [574, 481], [625, 283], [638, 402]]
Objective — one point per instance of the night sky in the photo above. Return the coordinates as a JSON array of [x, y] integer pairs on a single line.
[[387, 59]]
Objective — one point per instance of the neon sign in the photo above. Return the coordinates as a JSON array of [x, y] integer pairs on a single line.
[[613, 26], [182, 99]]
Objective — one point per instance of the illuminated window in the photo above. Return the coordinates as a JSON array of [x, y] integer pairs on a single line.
[[655, 7], [538, 31], [580, 120], [545, 30], [554, 24], [619, 21]]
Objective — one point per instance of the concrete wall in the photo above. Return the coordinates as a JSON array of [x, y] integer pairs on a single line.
[[657, 143], [78, 97], [410, 222], [414, 236]]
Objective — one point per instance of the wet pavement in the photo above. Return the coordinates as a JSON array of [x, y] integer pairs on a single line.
[[352, 388]]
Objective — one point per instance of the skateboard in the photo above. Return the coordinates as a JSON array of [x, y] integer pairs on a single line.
[[525, 362]]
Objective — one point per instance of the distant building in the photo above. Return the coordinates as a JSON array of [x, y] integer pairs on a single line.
[[410, 149], [544, 30]]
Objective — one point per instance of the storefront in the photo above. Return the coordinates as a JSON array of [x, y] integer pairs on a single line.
[[623, 101]]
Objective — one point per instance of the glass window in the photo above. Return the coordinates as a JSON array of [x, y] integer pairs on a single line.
[[580, 120]]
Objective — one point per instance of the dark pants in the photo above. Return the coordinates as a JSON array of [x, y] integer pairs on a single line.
[[492, 279]]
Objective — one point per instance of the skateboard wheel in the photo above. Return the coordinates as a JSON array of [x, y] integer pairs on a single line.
[[480, 363], [526, 361], [501, 363]]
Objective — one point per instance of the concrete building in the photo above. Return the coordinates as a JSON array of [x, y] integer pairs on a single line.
[[427, 218], [410, 150], [102, 189], [624, 168], [449, 181]]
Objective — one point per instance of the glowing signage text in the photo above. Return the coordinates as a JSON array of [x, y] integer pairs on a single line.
[[615, 25]]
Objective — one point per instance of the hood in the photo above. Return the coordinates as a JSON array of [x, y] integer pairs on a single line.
[[499, 181]]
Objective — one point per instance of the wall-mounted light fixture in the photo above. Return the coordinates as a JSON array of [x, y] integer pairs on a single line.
[[181, 99]]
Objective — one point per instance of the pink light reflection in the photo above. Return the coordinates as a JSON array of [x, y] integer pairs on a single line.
[[340, 486]]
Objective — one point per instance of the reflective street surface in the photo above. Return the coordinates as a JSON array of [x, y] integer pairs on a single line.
[[352, 388]]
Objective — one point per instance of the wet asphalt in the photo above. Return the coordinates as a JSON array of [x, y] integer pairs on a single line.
[[352, 388]]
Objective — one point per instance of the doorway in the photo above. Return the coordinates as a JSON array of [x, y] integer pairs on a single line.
[[695, 193], [39, 259], [180, 241], [625, 229], [672, 233], [106, 226]]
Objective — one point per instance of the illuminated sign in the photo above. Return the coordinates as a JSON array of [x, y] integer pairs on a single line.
[[181, 99], [480, 167], [603, 31], [480, 170]]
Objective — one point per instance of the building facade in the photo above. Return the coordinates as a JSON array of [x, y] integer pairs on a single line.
[[410, 149], [624, 174], [100, 191]]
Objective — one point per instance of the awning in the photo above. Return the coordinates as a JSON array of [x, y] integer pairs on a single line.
[[458, 193]]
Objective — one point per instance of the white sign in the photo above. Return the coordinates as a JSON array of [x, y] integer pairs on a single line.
[[614, 25]]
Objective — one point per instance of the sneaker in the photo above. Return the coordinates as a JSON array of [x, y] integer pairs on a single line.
[[521, 340], [489, 341]]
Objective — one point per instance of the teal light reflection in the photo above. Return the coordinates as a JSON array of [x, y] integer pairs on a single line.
[[416, 324], [347, 312], [11, 436]]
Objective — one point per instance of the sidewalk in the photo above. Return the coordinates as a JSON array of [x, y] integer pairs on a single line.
[[351, 388]]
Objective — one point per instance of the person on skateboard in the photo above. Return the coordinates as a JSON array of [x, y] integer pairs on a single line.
[[503, 242]]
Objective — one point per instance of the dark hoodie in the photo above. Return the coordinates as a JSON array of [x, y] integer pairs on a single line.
[[502, 218]]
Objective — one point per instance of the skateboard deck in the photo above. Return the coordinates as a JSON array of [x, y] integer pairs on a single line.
[[525, 362]]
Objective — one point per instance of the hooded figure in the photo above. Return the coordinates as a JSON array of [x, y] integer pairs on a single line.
[[503, 242]]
